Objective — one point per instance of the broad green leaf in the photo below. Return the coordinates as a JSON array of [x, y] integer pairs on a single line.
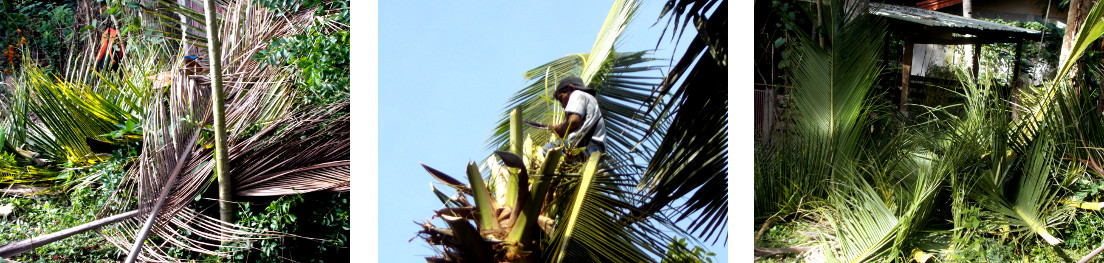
[[487, 219]]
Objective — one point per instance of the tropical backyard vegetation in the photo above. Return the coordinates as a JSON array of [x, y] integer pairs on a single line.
[[659, 191], [989, 171], [192, 131]]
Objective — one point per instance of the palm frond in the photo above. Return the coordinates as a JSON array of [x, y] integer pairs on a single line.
[[692, 158], [274, 150], [830, 103], [1043, 102], [589, 228], [1033, 197], [63, 112], [616, 76]]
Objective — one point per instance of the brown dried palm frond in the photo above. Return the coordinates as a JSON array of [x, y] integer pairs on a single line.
[[273, 151], [295, 155]]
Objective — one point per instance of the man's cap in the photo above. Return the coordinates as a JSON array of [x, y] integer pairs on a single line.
[[573, 81]]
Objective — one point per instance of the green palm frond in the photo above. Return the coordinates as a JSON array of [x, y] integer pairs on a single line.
[[1033, 197], [617, 78], [63, 113], [830, 103], [1042, 102], [589, 210], [875, 222], [865, 226], [691, 160]]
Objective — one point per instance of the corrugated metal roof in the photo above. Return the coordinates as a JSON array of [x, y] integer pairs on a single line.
[[940, 19]]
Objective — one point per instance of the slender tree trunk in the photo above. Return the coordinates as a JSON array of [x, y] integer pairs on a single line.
[[214, 48], [968, 12]]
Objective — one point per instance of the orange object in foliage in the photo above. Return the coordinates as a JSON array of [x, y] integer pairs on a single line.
[[110, 50]]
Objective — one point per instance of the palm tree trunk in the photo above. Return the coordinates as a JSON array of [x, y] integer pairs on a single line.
[[226, 194], [1078, 11]]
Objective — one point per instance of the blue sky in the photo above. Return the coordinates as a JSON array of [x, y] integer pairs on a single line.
[[446, 69]]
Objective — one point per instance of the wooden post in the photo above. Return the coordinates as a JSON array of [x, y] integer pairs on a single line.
[[768, 113], [906, 73]]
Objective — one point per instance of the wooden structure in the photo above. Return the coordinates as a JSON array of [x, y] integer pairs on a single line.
[[922, 26]]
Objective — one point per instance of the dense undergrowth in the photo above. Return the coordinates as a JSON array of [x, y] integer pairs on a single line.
[[53, 105], [991, 170]]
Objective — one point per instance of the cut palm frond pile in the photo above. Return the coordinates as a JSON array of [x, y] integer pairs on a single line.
[[274, 150]]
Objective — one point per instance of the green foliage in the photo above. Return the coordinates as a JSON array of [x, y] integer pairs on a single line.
[[679, 252], [320, 55], [46, 26], [320, 216], [1035, 53], [47, 213], [1011, 180], [276, 217], [129, 128]]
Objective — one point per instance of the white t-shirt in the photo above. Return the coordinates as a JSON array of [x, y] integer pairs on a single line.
[[586, 106]]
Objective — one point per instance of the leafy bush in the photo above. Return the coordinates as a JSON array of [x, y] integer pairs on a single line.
[[319, 55], [46, 213], [679, 252], [325, 216], [38, 29]]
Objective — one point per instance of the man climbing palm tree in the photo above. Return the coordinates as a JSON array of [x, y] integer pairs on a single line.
[[583, 122]]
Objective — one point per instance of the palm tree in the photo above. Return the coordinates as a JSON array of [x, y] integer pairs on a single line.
[[277, 148], [614, 75], [560, 209], [553, 210], [682, 130]]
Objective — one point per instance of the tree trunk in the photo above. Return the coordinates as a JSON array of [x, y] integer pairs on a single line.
[[1078, 10], [214, 48], [970, 57]]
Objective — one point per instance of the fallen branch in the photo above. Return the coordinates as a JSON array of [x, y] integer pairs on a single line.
[[770, 252], [15, 248], [1092, 254], [763, 229]]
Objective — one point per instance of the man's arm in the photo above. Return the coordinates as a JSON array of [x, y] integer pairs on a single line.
[[574, 121]]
